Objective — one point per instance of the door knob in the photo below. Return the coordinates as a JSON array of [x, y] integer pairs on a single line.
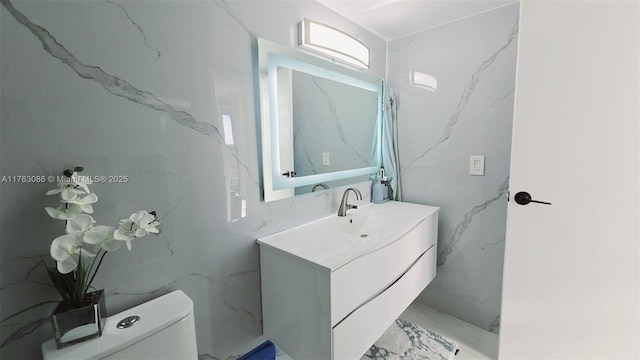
[[523, 198]]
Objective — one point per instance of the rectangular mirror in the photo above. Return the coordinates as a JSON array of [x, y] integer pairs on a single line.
[[320, 122]]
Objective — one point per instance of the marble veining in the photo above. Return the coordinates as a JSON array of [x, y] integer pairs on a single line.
[[155, 291], [298, 140], [334, 116], [144, 36], [492, 104], [120, 87], [466, 95], [466, 221], [25, 330], [264, 223], [229, 10], [492, 244], [225, 291], [36, 266]]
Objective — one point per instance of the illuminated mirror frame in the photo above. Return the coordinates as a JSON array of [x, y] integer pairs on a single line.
[[271, 56]]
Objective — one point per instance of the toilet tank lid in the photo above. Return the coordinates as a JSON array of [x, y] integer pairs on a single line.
[[155, 315]]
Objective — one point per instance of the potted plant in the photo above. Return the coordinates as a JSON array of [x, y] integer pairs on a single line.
[[79, 253]]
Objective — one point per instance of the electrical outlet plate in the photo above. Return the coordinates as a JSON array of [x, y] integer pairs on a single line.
[[476, 165]]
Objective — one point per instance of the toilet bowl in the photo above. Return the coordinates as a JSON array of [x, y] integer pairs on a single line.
[[164, 329]]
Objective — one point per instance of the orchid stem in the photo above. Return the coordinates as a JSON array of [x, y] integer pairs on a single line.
[[96, 270]]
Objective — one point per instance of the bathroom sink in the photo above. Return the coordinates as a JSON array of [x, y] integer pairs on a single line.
[[331, 287], [333, 241]]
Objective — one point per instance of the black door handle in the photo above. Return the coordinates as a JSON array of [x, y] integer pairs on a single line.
[[523, 198]]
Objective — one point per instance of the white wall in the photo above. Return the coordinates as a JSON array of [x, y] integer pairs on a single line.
[[198, 59], [572, 269], [471, 113]]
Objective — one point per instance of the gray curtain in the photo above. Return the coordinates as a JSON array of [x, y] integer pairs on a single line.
[[390, 155]]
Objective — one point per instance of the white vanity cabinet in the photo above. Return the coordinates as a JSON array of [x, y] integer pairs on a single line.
[[331, 288]]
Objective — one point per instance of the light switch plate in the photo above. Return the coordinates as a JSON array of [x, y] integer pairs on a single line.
[[325, 159], [476, 165]]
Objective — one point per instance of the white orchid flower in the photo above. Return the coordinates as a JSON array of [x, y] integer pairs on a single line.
[[84, 202], [126, 231], [67, 191], [72, 187], [110, 244], [97, 234], [64, 213], [66, 250], [80, 225], [81, 181], [146, 223]]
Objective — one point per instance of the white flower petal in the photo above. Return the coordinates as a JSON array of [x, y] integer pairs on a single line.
[[83, 185], [137, 216], [85, 200], [86, 209], [98, 234], [86, 253], [90, 199], [129, 245], [56, 213], [80, 224], [68, 194], [68, 265], [111, 244], [63, 214], [141, 232], [120, 235], [72, 211], [61, 247], [54, 191]]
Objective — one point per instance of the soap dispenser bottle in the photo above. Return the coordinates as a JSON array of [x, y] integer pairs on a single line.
[[377, 194], [378, 190]]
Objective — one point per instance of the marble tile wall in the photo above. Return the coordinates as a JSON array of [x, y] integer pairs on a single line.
[[471, 112], [140, 89]]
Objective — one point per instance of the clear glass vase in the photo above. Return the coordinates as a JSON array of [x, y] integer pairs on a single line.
[[72, 326]]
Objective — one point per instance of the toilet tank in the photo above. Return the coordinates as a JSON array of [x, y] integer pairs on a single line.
[[165, 330]]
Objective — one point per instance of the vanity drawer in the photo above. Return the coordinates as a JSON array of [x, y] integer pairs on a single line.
[[353, 336], [365, 277]]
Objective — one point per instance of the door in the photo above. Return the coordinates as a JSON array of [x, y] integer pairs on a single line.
[[571, 276]]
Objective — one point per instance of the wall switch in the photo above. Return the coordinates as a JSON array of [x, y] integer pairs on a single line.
[[476, 165], [325, 159]]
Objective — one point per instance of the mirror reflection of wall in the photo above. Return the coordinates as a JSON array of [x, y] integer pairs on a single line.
[[333, 127]]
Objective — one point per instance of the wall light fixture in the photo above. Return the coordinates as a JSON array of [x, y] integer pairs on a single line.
[[424, 80], [333, 43]]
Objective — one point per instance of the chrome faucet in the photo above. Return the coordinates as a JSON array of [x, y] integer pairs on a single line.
[[342, 210]]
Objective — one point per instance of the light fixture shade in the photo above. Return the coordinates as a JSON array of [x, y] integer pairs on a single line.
[[424, 80], [333, 43]]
